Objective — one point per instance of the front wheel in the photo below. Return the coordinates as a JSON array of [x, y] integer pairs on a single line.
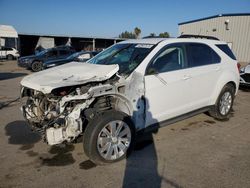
[[221, 110], [109, 137]]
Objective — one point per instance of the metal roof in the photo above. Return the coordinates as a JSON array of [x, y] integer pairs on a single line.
[[70, 36], [215, 16], [8, 31]]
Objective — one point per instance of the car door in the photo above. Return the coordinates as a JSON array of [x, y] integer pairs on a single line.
[[63, 54], [203, 72], [51, 55], [165, 85]]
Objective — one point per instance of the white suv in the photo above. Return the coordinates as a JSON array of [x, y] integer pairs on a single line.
[[132, 86], [8, 53]]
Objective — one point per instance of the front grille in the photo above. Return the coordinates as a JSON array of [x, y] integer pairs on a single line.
[[246, 77]]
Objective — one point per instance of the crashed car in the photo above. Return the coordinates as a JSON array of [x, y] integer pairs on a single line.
[[132, 87], [245, 75]]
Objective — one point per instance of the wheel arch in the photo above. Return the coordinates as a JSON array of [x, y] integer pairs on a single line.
[[223, 80]]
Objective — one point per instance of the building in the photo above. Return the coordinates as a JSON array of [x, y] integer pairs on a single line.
[[29, 42], [8, 36], [232, 28]]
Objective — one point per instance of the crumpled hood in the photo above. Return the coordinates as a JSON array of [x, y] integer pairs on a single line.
[[69, 74]]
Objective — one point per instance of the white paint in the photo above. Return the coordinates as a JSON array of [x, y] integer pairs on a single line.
[[67, 75]]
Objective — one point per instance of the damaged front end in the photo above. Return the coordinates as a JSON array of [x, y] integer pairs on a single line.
[[57, 116]]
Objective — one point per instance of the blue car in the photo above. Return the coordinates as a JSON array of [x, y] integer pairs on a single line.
[[82, 56], [36, 62]]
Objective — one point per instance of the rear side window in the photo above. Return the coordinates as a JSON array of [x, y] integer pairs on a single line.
[[64, 52], [51, 53], [201, 54], [226, 50]]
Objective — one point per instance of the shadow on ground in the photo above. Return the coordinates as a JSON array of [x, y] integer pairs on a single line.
[[62, 156], [19, 133], [245, 88], [10, 75]]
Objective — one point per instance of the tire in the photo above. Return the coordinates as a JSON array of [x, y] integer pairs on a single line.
[[10, 57], [224, 103], [37, 66], [100, 145]]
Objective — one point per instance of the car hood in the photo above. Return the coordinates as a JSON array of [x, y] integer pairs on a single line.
[[57, 61], [27, 57], [68, 75]]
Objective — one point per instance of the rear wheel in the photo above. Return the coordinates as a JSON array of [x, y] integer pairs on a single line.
[[109, 137], [37, 66], [221, 110], [10, 57]]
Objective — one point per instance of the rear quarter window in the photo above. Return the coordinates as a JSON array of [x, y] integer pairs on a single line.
[[201, 54], [225, 48]]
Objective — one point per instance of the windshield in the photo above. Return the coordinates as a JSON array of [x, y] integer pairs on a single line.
[[127, 56], [42, 52]]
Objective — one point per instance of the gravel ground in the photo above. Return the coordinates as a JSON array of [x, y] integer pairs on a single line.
[[197, 152]]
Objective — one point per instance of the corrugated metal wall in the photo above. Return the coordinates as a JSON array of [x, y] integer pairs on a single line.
[[237, 34]]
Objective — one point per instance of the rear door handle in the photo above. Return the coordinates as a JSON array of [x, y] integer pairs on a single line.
[[186, 77]]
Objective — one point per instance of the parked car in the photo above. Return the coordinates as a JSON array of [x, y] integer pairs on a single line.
[[245, 75], [35, 62], [133, 86], [82, 56], [8, 53]]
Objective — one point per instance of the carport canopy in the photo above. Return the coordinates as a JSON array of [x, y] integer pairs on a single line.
[[8, 31]]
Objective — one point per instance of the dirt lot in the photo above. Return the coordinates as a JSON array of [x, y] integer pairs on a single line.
[[197, 152]]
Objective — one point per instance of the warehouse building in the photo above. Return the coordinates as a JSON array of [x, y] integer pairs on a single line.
[[232, 28], [27, 44]]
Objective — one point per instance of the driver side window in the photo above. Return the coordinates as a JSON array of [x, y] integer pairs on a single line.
[[169, 59]]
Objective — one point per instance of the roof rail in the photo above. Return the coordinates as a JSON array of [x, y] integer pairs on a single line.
[[198, 36]]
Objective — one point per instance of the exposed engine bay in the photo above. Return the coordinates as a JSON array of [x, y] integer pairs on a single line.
[[62, 115]]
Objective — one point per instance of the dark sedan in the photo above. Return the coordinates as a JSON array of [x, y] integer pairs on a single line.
[[245, 75], [82, 56], [35, 62]]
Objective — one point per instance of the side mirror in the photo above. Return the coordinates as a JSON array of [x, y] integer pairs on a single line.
[[151, 71]]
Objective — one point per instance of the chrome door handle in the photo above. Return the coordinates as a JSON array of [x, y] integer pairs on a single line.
[[186, 77], [217, 69]]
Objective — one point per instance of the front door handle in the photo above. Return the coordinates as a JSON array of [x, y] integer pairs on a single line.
[[186, 77], [217, 69]]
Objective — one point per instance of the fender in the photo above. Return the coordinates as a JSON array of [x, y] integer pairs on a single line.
[[225, 78]]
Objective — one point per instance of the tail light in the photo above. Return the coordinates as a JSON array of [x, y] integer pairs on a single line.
[[238, 66]]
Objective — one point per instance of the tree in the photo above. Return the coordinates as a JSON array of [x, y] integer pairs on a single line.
[[164, 35], [127, 35], [152, 34], [137, 32]]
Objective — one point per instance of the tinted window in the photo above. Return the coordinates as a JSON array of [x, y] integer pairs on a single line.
[[226, 50], [170, 59], [64, 52], [5, 48], [51, 53], [201, 54]]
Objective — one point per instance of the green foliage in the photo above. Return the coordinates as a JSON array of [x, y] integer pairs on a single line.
[[127, 35], [137, 32], [164, 35], [131, 35], [152, 35]]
